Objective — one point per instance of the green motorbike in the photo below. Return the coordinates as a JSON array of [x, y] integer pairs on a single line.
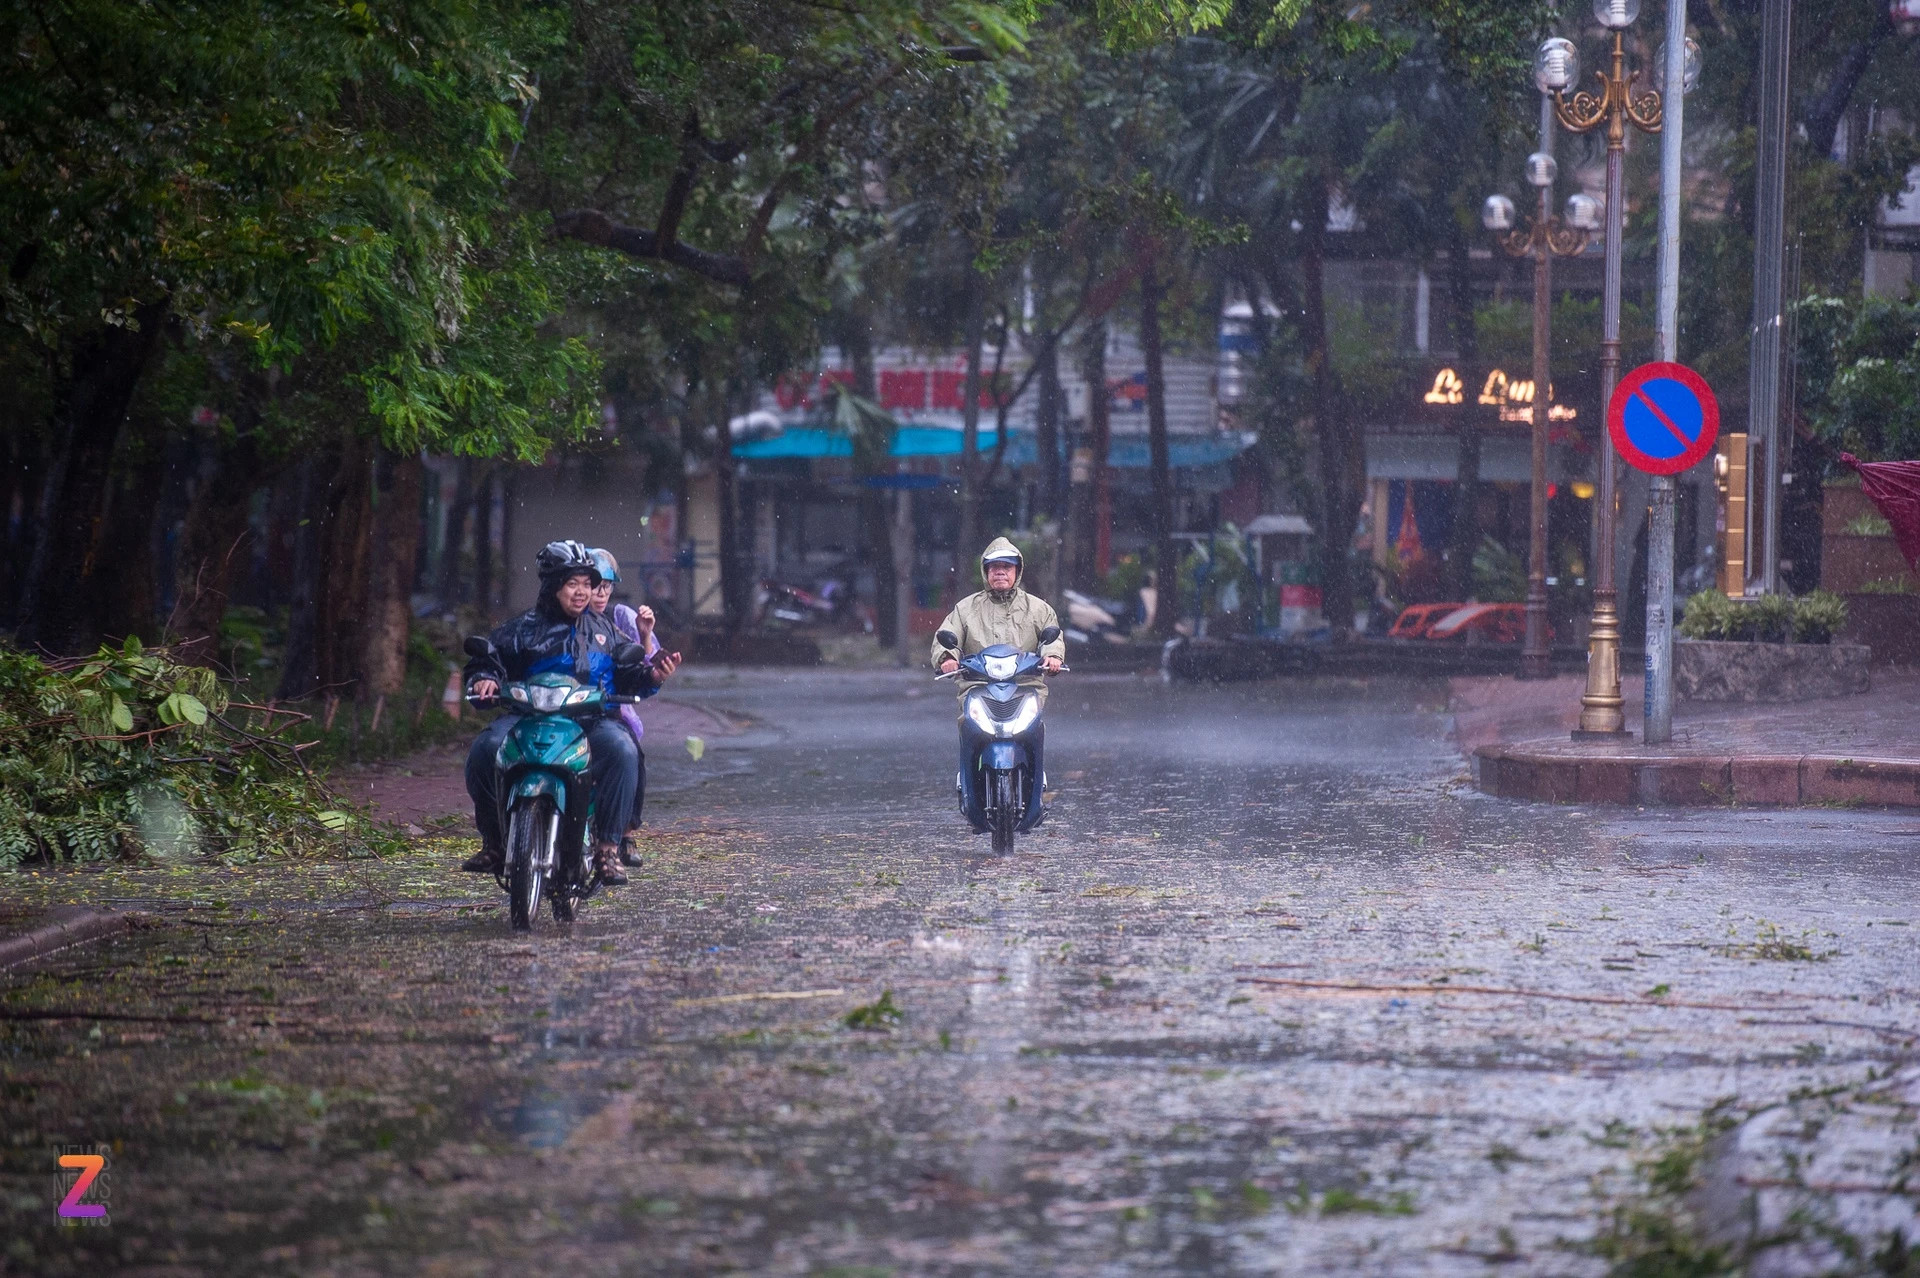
[[546, 799]]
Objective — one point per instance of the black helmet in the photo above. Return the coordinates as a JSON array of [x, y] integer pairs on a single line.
[[559, 560]]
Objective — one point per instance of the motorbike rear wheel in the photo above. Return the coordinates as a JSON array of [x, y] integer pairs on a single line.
[[1003, 791], [529, 836]]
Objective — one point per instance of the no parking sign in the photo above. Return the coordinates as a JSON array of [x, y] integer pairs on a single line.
[[1663, 418]]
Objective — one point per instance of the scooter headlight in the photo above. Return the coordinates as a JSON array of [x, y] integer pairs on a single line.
[[546, 700], [580, 695], [1023, 717], [981, 717], [1000, 669]]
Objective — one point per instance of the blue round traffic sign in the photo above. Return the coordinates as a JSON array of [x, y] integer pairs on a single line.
[[1663, 418]]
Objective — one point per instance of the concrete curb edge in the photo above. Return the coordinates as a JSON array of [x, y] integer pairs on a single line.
[[1515, 771], [66, 926]]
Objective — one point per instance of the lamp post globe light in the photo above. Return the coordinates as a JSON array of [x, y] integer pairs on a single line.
[[1617, 103], [1616, 15], [1556, 66], [1544, 238]]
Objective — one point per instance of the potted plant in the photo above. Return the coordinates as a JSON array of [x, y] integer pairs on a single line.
[[1773, 648]]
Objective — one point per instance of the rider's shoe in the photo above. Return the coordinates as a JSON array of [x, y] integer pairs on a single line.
[[628, 857], [486, 861], [606, 863]]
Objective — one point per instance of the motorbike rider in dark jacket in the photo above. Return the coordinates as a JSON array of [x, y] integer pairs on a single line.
[[559, 634]]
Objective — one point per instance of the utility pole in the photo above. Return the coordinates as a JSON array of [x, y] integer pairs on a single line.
[[1657, 727], [1769, 245]]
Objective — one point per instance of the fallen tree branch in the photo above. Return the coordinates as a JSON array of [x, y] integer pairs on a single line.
[[36, 1014], [1615, 1000]]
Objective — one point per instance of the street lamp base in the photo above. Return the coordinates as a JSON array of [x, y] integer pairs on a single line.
[[1602, 712]]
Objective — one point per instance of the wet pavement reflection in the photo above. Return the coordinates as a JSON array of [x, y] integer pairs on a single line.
[[1272, 991]]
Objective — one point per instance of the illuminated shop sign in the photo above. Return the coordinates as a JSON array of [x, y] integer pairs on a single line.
[[1513, 396]]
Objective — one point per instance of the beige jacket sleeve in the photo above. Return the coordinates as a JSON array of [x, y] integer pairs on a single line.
[[959, 628], [1044, 616]]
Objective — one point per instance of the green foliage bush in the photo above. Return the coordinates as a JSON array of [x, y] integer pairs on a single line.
[[1220, 571], [1810, 618], [1499, 575], [131, 752], [1818, 617]]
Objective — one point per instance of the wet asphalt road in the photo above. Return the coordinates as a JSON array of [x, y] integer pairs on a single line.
[[1273, 991]]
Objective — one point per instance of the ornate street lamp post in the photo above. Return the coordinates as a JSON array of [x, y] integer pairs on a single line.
[[1544, 238], [1616, 105]]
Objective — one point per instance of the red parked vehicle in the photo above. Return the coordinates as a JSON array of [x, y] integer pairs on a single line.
[[1457, 623], [1413, 621]]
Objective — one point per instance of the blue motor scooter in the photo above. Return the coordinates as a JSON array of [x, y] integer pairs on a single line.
[[1002, 780], [546, 799]]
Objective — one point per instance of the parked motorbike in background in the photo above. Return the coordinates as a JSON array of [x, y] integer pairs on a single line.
[[1001, 782], [780, 603], [1090, 619]]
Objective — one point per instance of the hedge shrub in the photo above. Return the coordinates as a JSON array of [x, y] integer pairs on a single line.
[[1811, 618]]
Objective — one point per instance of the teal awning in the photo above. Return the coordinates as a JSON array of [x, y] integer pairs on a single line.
[[908, 441], [1129, 453]]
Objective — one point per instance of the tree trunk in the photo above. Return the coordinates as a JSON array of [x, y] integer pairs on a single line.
[[903, 557], [1340, 450], [397, 525], [1097, 528], [1465, 537], [483, 595], [313, 524], [876, 510], [453, 542], [26, 461], [126, 574], [216, 535], [1165, 557], [63, 605], [1046, 430], [966, 552], [339, 650], [734, 597]]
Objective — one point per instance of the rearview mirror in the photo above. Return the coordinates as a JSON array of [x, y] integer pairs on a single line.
[[479, 646], [948, 639], [1049, 634]]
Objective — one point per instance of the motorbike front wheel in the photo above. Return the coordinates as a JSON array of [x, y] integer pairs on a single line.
[[1003, 790], [529, 852]]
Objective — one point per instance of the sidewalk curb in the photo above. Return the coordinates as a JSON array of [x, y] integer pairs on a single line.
[[66, 926], [1544, 772]]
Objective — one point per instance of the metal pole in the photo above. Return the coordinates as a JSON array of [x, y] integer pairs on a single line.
[[1769, 242], [1534, 658], [1658, 725], [1600, 705]]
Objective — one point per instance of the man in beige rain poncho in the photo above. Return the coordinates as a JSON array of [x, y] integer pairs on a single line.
[[1002, 613]]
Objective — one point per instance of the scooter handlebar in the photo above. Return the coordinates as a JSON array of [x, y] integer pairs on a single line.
[[955, 674]]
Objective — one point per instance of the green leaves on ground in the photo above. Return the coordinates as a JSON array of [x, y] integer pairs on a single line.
[[131, 752], [880, 1015]]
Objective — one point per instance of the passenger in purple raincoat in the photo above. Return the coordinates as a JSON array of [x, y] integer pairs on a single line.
[[636, 626]]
